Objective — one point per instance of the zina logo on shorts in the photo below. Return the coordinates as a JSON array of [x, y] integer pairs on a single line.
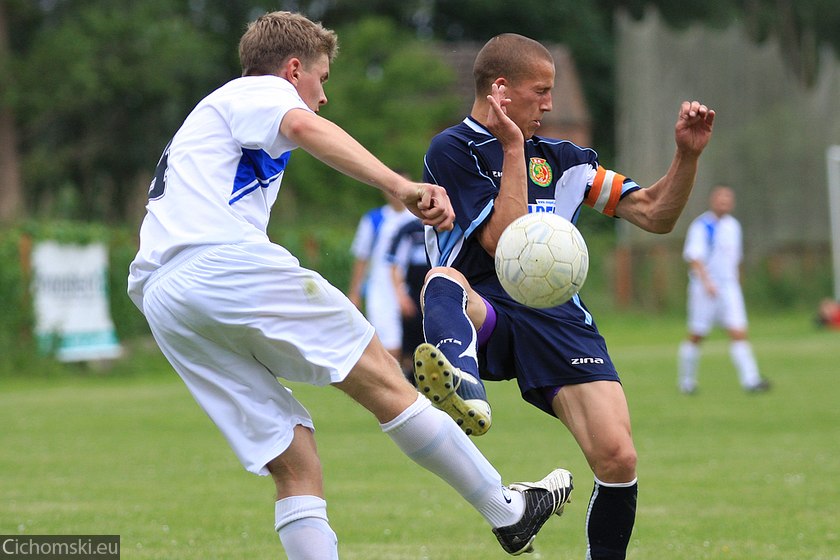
[[581, 361]]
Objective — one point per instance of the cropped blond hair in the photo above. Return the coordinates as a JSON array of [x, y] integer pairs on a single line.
[[274, 38]]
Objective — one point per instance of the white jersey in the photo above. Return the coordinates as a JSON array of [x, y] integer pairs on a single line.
[[715, 242], [232, 312], [219, 176], [371, 243]]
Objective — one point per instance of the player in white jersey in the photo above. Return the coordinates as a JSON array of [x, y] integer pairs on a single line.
[[713, 250], [371, 287], [234, 312]]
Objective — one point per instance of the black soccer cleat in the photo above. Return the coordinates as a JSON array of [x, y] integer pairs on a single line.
[[542, 500]]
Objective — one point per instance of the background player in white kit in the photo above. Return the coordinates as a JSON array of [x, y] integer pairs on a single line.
[[371, 288], [232, 311], [713, 250]]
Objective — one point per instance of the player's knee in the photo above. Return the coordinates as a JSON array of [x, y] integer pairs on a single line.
[[298, 469], [738, 334], [618, 464], [448, 272]]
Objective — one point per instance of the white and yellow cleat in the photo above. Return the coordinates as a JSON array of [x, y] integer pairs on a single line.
[[459, 394]]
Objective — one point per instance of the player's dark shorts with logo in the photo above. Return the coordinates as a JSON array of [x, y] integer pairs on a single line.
[[542, 348]]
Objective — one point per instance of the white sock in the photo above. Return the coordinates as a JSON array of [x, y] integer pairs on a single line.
[[744, 360], [435, 442], [305, 532], [689, 356]]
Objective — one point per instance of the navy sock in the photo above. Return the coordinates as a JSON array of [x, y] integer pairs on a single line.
[[609, 522], [446, 325]]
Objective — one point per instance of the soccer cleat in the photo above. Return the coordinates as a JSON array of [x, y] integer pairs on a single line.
[[459, 394], [542, 500], [761, 387], [688, 389]]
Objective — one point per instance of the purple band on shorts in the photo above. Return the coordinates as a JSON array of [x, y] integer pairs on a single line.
[[550, 392], [489, 325]]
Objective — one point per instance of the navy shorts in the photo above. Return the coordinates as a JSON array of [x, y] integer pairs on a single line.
[[543, 349]]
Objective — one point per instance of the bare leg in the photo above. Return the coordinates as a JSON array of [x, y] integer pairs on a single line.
[[598, 417]]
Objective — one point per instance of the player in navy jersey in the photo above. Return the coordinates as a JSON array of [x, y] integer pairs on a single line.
[[495, 169], [234, 313]]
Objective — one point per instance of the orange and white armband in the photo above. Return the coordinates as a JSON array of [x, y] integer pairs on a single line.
[[605, 191]]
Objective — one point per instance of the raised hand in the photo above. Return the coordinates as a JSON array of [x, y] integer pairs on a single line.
[[694, 127], [498, 122]]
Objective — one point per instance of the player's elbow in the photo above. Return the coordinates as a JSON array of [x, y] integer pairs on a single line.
[[652, 224], [662, 226], [661, 220]]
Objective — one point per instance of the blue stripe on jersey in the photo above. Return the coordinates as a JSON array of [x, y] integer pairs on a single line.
[[256, 170], [587, 317], [710, 232], [447, 242]]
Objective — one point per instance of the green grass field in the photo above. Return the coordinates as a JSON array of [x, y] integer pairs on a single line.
[[722, 474]]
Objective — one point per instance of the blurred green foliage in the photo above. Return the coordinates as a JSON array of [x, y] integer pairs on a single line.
[[97, 87]]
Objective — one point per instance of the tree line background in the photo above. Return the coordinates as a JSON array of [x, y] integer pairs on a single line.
[[91, 90]]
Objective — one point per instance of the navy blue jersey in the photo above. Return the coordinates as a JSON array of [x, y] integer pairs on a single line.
[[408, 251], [467, 160], [541, 348]]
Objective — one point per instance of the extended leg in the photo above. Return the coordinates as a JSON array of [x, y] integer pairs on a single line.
[[446, 368], [432, 440]]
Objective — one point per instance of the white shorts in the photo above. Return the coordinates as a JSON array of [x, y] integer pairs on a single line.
[[725, 309], [231, 319], [383, 312]]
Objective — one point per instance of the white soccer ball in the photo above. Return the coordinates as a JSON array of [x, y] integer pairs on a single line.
[[541, 260]]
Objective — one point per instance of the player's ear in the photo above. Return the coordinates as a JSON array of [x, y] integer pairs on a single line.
[[291, 70]]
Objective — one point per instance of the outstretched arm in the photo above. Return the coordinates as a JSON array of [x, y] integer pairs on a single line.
[[329, 143], [656, 208]]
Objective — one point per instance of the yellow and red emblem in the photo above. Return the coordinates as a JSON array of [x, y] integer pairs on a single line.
[[539, 171]]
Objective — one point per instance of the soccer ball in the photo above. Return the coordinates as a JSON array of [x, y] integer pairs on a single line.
[[541, 260]]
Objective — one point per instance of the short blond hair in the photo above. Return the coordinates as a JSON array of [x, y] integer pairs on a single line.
[[508, 56], [275, 37]]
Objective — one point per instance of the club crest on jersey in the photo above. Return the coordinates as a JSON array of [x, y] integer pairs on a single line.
[[539, 171]]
